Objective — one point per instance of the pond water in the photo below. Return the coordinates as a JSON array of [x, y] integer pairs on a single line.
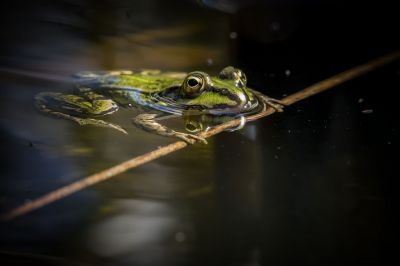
[[307, 186]]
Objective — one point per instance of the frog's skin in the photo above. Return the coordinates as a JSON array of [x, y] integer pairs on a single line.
[[196, 96]]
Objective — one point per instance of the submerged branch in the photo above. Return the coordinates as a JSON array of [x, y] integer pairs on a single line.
[[160, 152]]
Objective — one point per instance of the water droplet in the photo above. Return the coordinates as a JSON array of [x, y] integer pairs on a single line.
[[367, 111]]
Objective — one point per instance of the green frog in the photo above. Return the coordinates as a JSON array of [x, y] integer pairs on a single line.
[[202, 100]]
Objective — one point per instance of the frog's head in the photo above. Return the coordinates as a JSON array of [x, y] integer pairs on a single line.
[[224, 94]]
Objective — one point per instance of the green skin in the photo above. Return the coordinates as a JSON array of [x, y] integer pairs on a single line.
[[200, 99]]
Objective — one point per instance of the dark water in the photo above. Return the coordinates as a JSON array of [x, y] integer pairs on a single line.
[[309, 186]]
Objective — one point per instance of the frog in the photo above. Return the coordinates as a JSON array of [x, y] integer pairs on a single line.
[[202, 100]]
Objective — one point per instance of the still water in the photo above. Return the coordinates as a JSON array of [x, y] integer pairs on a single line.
[[305, 187]]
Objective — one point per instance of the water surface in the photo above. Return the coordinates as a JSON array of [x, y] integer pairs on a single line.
[[305, 187]]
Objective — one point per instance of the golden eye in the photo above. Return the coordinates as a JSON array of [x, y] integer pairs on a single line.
[[193, 85], [194, 82]]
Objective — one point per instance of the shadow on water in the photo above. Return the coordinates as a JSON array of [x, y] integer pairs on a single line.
[[306, 187]]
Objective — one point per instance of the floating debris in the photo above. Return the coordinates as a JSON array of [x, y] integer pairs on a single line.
[[288, 72], [367, 111], [233, 35], [210, 61], [360, 100]]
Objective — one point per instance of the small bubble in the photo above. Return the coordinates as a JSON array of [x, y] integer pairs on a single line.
[[233, 35], [360, 100], [275, 26], [289, 131], [180, 237], [276, 157], [288, 72], [279, 147], [210, 61], [367, 111]]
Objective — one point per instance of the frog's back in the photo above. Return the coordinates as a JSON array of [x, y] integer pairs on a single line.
[[144, 81]]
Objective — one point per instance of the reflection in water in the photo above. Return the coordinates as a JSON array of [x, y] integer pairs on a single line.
[[141, 232]]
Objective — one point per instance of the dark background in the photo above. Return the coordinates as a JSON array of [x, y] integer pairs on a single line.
[[326, 169]]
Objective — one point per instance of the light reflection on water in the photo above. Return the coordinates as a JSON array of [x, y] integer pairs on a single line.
[[142, 232]]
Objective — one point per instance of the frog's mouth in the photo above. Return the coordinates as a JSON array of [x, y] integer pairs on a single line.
[[170, 101]]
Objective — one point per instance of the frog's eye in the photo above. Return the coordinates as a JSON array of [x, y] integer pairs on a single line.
[[193, 82], [234, 74], [193, 85]]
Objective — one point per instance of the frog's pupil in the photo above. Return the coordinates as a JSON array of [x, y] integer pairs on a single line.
[[193, 82], [190, 127]]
